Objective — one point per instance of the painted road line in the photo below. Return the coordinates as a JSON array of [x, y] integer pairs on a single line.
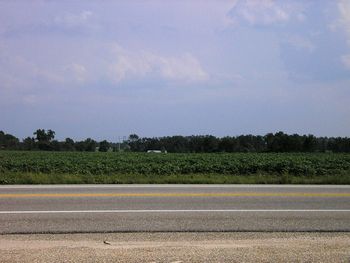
[[180, 211], [237, 194]]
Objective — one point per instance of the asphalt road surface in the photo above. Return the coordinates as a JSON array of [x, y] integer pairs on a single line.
[[156, 208]]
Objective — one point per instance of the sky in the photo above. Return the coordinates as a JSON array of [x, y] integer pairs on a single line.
[[104, 69]]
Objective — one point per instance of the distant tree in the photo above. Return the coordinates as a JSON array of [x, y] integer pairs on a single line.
[[278, 142], [310, 143], [275, 142], [246, 143], [104, 146], [44, 139], [43, 136], [68, 145], [227, 144], [29, 143], [8, 141], [90, 145], [133, 137], [135, 143], [210, 143], [55, 146], [176, 144]]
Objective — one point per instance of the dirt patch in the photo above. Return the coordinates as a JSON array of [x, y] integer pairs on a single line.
[[177, 247]]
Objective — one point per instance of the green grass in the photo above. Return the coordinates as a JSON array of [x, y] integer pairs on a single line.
[[20, 167], [32, 178]]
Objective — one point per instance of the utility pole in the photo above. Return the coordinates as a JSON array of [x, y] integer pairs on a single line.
[[120, 140]]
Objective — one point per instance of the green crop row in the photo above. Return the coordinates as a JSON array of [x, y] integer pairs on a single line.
[[85, 163]]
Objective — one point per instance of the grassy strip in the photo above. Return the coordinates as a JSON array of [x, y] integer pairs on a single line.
[[42, 178]]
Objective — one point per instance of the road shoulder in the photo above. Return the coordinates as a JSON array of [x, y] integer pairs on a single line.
[[176, 247]]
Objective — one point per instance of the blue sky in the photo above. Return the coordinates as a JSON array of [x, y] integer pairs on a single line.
[[104, 69]]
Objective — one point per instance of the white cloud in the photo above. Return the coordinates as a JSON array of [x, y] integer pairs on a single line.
[[344, 19], [16, 72], [30, 99], [70, 20], [344, 23], [300, 43], [139, 64], [27, 76], [185, 67], [20, 73], [346, 60], [128, 63], [77, 71], [265, 12], [51, 76]]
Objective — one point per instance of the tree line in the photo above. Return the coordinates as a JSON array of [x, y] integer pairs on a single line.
[[277, 142]]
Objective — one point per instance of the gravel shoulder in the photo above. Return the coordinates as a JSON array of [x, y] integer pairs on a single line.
[[176, 247]]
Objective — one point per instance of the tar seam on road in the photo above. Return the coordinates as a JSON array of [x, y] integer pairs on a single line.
[[238, 194], [177, 211]]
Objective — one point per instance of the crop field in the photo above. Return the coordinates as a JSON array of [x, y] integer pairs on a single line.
[[85, 167]]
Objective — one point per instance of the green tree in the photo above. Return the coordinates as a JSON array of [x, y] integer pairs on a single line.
[[44, 139], [8, 141], [133, 137], [68, 145], [310, 143], [29, 143], [90, 145], [104, 146], [42, 136]]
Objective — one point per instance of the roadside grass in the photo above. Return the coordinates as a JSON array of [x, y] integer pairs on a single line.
[[45, 178]]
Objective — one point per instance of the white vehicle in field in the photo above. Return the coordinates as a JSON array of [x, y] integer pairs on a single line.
[[156, 151]]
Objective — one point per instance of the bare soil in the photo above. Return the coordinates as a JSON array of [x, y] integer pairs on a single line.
[[177, 247]]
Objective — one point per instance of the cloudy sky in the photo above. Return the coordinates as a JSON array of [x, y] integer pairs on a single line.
[[104, 69]]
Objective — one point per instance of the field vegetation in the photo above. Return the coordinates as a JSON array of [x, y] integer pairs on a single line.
[[100, 167]]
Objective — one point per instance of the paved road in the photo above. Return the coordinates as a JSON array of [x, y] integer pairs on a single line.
[[113, 208]]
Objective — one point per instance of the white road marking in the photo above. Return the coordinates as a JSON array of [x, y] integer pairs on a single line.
[[176, 211]]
